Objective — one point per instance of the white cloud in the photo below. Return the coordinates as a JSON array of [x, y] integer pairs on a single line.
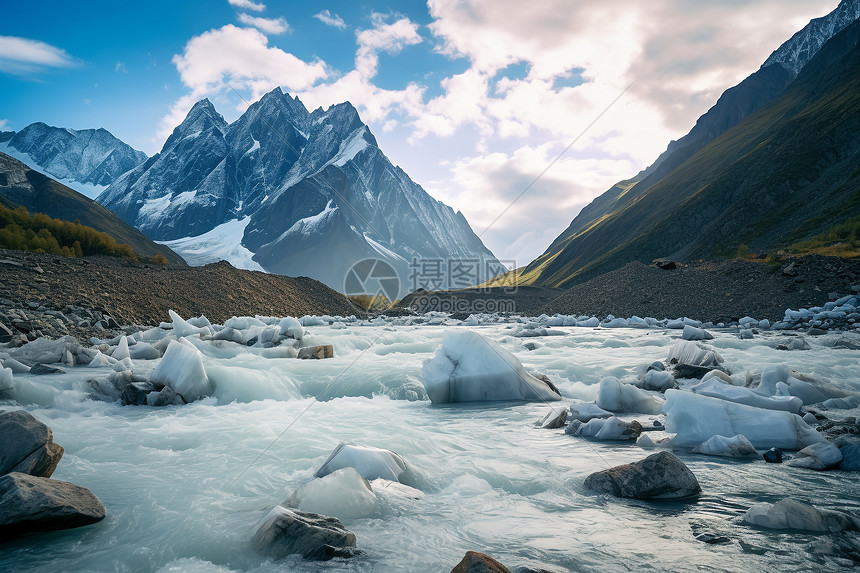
[[268, 25], [22, 56], [248, 5], [120, 67], [4, 123], [239, 58], [330, 19], [383, 37]]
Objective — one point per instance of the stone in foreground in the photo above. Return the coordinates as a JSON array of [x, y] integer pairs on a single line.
[[475, 562], [316, 352], [27, 445], [659, 476], [288, 532], [29, 503]]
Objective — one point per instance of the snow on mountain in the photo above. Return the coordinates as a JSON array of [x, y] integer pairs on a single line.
[[314, 194], [799, 49], [86, 160]]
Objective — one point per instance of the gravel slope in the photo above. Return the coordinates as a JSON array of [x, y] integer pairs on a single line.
[[140, 294]]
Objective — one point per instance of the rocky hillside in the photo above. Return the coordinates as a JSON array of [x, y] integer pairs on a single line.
[[652, 214], [22, 186], [133, 293]]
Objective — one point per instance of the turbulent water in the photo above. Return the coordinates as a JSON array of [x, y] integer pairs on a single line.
[[185, 486]]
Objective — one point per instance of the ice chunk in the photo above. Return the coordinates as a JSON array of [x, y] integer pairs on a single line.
[[143, 351], [736, 447], [181, 368], [471, 368], [693, 333], [688, 352], [343, 494], [696, 418], [791, 514], [614, 396], [370, 462], [819, 456], [6, 382], [717, 388], [292, 328], [585, 411], [121, 350], [183, 328], [100, 360], [810, 391], [610, 429], [658, 380]]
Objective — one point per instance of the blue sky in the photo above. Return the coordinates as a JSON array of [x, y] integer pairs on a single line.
[[473, 98]]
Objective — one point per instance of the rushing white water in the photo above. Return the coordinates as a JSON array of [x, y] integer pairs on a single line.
[[492, 481]]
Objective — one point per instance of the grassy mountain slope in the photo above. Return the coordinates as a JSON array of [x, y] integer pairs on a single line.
[[22, 186], [788, 172]]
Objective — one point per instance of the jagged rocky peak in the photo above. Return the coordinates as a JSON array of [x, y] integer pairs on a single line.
[[201, 118], [802, 46], [292, 192]]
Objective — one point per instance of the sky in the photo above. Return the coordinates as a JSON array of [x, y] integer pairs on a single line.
[[474, 99]]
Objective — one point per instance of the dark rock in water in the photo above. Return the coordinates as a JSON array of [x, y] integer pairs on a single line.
[[820, 456], [850, 454], [475, 562], [712, 539], [135, 393], [287, 532], [27, 445], [545, 379], [553, 420], [316, 352], [690, 371], [773, 456], [29, 503], [527, 345], [659, 476], [5, 333], [45, 369], [659, 366], [664, 264], [165, 397]]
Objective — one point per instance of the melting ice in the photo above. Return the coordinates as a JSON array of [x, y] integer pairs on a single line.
[[185, 485]]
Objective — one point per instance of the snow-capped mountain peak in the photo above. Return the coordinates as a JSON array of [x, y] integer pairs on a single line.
[[313, 191], [803, 45]]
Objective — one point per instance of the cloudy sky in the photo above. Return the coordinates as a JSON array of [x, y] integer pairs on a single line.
[[472, 98]]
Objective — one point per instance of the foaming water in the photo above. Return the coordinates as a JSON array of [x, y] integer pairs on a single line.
[[492, 481]]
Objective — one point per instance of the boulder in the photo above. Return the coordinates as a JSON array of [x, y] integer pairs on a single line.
[[820, 456], [773, 456], [791, 514], [135, 393], [27, 445], [659, 476], [554, 419], [475, 562], [165, 397], [850, 454], [665, 264], [316, 352], [40, 369], [29, 503], [287, 532]]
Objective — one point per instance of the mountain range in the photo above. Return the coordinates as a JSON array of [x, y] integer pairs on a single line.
[[87, 160], [745, 174], [293, 192]]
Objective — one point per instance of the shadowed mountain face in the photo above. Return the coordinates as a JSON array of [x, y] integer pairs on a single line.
[[291, 192], [762, 167], [21, 186]]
